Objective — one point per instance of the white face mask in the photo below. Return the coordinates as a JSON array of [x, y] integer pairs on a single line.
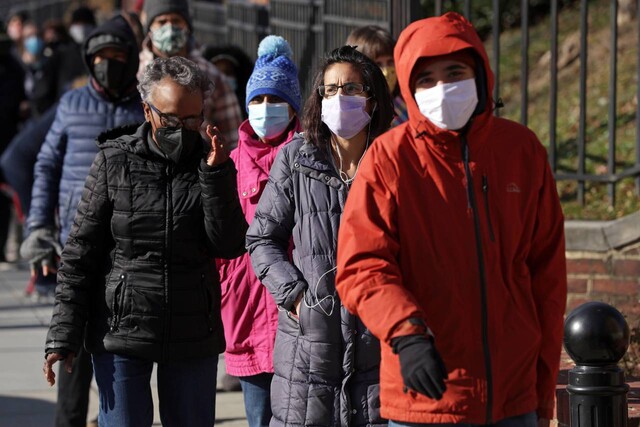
[[79, 32], [449, 105]]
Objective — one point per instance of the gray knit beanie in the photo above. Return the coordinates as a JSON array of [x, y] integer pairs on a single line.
[[153, 8]]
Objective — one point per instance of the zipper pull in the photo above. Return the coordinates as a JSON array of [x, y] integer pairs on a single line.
[[114, 323], [485, 192]]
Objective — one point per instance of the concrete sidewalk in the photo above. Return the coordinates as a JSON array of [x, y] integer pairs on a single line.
[[25, 398]]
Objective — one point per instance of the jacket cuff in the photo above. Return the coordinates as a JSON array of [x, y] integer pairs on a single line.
[[291, 298], [62, 351], [36, 225], [411, 326], [218, 169], [545, 410]]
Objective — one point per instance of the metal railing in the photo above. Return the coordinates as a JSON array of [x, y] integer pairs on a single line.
[[209, 22]]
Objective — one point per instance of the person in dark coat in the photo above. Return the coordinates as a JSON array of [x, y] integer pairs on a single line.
[[138, 268], [17, 160], [326, 362], [11, 95], [82, 23], [64, 62], [110, 99]]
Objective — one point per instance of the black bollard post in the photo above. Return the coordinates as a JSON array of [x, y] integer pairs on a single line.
[[596, 336]]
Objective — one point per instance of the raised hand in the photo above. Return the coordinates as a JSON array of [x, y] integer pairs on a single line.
[[218, 154]]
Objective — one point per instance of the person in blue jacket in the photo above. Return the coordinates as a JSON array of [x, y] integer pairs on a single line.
[[110, 99]]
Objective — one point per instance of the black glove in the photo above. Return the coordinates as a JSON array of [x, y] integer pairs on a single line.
[[41, 248], [421, 366]]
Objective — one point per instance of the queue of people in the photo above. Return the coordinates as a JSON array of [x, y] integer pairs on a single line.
[[345, 252]]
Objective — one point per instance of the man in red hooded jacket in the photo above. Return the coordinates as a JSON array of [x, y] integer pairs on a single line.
[[451, 246]]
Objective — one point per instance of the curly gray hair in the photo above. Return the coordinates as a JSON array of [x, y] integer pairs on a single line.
[[182, 71]]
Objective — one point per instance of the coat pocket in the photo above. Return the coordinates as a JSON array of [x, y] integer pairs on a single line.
[[117, 304], [293, 319]]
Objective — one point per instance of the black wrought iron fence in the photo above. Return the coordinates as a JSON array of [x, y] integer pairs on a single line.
[[247, 24], [301, 23], [341, 17], [209, 22]]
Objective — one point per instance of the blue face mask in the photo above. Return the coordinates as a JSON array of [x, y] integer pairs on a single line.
[[269, 120], [232, 82], [33, 45]]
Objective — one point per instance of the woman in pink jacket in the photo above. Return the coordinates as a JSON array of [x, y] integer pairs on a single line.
[[249, 313]]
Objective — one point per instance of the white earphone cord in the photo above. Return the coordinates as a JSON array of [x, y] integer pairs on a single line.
[[347, 180], [319, 302], [343, 175]]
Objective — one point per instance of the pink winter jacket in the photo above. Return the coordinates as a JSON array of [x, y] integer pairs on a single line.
[[249, 314]]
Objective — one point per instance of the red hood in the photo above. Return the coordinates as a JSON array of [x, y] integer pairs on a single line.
[[447, 34]]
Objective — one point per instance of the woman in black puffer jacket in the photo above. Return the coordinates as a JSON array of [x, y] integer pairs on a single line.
[[138, 268], [326, 362]]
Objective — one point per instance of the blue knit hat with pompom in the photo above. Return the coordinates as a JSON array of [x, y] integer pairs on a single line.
[[275, 73]]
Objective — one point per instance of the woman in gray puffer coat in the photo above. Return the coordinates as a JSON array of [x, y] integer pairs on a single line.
[[326, 362]]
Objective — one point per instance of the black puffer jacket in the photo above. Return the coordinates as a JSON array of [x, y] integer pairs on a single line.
[[138, 266], [326, 363]]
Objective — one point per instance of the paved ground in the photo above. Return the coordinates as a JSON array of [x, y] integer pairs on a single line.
[[25, 398]]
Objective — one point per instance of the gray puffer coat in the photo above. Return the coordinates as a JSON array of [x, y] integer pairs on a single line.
[[326, 362]]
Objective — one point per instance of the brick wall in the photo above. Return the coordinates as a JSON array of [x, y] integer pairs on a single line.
[[612, 277]]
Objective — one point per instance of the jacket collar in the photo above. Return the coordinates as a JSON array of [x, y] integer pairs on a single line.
[[316, 162], [254, 158], [131, 138], [447, 142], [314, 157], [99, 92]]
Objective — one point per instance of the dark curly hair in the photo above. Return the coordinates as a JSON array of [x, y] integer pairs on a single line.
[[315, 130]]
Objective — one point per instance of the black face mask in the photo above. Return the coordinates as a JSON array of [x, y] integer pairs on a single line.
[[110, 74], [172, 141]]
